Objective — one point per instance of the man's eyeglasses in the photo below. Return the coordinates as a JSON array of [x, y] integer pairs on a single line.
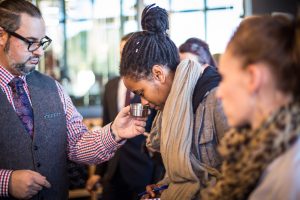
[[32, 46]]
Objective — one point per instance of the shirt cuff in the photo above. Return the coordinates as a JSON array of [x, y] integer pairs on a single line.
[[4, 182], [111, 143], [121, 141]]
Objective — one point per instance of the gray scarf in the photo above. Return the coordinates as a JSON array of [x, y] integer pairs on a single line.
[[175, 126]]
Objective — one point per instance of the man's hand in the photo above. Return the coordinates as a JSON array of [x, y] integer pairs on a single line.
[[24, 184], [126, 126]]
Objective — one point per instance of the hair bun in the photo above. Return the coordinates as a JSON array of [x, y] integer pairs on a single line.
[[155, 19]]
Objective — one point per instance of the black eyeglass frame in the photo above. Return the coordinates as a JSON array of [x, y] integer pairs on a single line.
[[41, 43]]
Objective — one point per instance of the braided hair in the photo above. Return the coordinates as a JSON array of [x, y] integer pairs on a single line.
[[149, 47]]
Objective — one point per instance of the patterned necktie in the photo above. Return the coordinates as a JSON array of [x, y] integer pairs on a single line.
[[22, 104]]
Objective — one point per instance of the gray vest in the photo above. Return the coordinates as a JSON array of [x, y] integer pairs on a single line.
[[46, 153]]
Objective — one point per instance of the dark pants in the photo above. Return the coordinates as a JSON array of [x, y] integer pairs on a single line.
[[118, 189]]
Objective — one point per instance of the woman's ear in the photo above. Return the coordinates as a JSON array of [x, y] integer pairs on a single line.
[[159, 73], [256, 77]]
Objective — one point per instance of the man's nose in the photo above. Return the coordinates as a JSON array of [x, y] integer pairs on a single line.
[[39, 51]]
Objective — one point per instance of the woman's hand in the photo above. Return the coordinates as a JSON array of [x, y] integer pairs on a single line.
[[153, 191]]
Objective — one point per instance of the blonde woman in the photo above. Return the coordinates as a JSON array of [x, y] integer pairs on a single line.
[[260, 93]]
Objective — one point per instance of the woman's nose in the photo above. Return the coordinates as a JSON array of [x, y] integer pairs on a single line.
[[144, 101]]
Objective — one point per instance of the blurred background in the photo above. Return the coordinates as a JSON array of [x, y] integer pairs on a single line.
[[86, 35]]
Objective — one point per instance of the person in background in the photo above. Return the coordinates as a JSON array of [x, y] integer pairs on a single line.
[[217, 57], [131, 169], [190, 121], [40, 127], [198, 50], [260, 93]]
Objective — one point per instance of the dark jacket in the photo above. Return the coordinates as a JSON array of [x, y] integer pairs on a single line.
[[131, 162], [46, 153]]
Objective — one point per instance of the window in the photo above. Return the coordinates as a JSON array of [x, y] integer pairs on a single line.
[[85, 49]]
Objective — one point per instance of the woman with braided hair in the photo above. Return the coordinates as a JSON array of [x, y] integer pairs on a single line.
[[260, 93], [190, 121]]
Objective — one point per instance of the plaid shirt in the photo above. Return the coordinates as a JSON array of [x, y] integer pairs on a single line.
[[90, 147]]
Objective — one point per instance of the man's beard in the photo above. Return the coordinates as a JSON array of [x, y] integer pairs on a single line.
[[21, 67]]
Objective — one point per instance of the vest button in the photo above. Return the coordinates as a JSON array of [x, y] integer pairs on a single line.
[[38, 164], [35, 147]]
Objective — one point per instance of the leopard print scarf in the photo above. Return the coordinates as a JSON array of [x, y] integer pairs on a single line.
[[247, 153]]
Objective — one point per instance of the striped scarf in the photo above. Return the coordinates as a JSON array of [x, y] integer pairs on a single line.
[[176, 138]]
